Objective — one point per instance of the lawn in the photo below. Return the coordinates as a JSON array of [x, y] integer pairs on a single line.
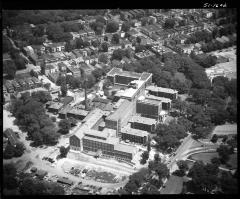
[[174, 185], [205, 157]]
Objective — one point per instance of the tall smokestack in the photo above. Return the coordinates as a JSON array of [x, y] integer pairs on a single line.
[[85, 88], [85, 91]]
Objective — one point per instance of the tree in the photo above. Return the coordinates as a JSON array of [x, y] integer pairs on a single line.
[[148, 146], [9, 169], [10, 68], [63, 151], [10, 182], [103, 58], [47, 86], [182, 165], [140, 48], [126, 26], [112, 27], [157, 158], [42, 96], [214, 138], [19, 149], [216, 161], [169, 23], [9, 152], [229, 185], [55, 189], [97, 73], [204, 177], [138, 39], [9, 176], [115, 38], [104, 47], [118, 54], [161, 169], [64, 126], [144, 21], [145, 156], [64, 89], [33, 73], [223, 152]]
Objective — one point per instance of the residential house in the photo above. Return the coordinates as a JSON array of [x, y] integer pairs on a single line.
[[53, 76], [6, 57], [50, 69], [62, 67], [56, 47], [184, 48], [39, 49], [82, 33], [74, 70], [28, 50]]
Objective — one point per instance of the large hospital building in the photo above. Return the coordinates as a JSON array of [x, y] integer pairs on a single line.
[[135, 115]]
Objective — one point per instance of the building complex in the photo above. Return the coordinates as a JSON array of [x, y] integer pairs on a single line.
[[134, 116]]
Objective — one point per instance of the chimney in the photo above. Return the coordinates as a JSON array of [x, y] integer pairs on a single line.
[[85, 91]]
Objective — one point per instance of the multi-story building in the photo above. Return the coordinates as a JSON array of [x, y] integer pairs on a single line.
[[77, 113], [55, 107], [143, 123], [120, 117], [162, 92], [104, 142], [120, 77], [148, 107], [166, 102], [134, 135]]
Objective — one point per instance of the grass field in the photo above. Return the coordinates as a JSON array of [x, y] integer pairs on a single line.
[[205, 157]]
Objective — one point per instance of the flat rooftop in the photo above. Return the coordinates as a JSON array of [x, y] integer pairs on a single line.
[[161, 89], [107, 140], [143, 120], [93, 117], [130, 92], [56, 105], [150, 101], [77, 111], [163, 99], [120, 112], [92, 132], [124, 148], [118, 71], [227, 129], [135, 132]]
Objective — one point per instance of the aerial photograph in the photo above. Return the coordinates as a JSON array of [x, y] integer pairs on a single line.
[[119, 101]]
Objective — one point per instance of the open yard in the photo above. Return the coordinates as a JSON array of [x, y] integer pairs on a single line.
[[205, 157]]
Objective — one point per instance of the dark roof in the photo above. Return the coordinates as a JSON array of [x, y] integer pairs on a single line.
[[67, 100], [11, 135], [97, 99], [65, 181], [41, 173]]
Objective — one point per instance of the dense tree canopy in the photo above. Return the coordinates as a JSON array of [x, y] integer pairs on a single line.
[[112, 27], [30, 116]]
